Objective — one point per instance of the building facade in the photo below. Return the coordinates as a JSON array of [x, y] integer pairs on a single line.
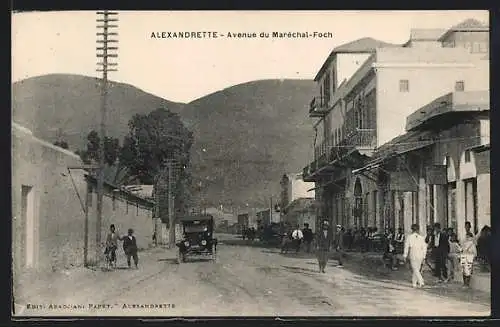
[[370, 108], [438, 171], [53, 205], [293, 187], [301, 211]]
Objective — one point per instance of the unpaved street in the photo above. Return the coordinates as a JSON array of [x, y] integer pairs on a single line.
[[244, 281]]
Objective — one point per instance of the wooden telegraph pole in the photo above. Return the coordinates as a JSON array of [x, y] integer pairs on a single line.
[[104, 51], [172, 170]]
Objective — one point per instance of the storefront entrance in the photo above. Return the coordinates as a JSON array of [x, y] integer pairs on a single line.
[[358, 213], [471, 203]]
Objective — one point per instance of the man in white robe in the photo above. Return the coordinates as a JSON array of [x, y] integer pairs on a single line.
[[415, 249]]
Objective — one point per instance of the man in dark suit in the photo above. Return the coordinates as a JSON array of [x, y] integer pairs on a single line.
[[130, 247], [323, 244], [441, 249], [308, 237], [338, 243]]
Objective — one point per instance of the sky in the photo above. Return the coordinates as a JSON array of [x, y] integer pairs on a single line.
[[183, 70]]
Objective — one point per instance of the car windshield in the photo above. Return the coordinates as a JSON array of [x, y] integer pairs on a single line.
[[195, 228]]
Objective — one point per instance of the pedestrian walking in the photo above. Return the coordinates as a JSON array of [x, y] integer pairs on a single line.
[[297, 237], [339, 245], [323, 245], [467, 257], [111, 245], [415, 249], [441, 249], [308, 237], [429, 259], [130, 248]]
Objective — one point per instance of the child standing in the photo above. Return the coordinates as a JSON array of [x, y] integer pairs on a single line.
[[467, 256]]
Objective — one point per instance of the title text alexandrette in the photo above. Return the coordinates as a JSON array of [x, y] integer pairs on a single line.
[[239, 35]]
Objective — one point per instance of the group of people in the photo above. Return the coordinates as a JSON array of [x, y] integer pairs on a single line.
[[440, 246], [298, 237], [444, 248], [361, 239], [129, 246], [249, 233]]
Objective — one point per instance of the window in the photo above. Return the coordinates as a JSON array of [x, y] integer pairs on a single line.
[[467, 155], [326, 89], [404, 85], [483, 47], [459, 86], [356, 118], [476, 47], [447, 161], [359, 111], [321, 95], [470, 190], [334, 81]]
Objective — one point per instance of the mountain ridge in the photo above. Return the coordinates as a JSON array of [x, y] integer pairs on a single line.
[[246, 135]]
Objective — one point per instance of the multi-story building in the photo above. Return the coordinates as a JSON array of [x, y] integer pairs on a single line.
[[382, 84], [439, 170], [301, 211], [292, 188], [297, 201]]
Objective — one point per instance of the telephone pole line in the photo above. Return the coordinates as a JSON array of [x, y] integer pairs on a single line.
[[172, 171], [104, 51]]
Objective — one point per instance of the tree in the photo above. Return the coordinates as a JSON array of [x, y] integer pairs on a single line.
[[111, 149], [152, 139]]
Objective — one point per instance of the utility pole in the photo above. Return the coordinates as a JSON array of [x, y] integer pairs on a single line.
[[103, 53], [170, 203], [172, 168]]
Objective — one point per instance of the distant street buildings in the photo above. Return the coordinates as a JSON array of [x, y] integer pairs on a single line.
[[297, 203], [402, 131]]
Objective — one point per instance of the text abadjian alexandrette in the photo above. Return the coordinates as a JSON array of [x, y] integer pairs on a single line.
[[239, 35]]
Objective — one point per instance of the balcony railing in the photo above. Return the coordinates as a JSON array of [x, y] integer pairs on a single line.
[[318, 107], [362, 139]]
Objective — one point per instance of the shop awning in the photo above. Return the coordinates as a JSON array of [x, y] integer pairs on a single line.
[[479, 148], [371, 165], [323, 185], [405, 143]]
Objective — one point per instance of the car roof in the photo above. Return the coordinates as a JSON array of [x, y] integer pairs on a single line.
[[196, 217]]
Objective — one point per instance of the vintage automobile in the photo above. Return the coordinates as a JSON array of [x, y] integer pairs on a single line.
[[197, 237]]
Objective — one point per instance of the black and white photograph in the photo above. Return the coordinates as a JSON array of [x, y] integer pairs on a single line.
[[251, 163]]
